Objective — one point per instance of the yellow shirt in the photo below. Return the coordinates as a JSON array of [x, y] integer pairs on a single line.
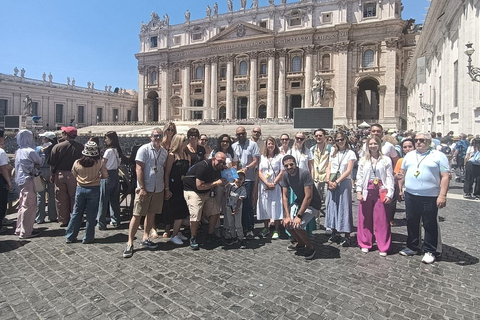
[[91, 176], [320, 162]]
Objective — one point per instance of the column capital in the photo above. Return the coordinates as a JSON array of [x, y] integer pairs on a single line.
[[253, 54], [341, 46], [355, 90], [382, 89], [213, 59], [270, 53], [185, 63], [164, 66], [392, 43], [282, 53], [310, 50]]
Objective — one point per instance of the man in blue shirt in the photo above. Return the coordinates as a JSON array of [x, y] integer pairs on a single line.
[[425, 174]]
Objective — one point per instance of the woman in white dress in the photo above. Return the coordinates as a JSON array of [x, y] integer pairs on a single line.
[[269, 204]]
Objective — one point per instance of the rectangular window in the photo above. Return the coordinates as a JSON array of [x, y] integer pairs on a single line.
[[129, 115], [177, 40], [295, 22], [198, 90], [295, 84], [115, 115], [196, 36], [99, 115], [81, 114], [153, 42], [455, 84], [369, 10], [222, 88], [263, 86], [263, 68], [59, 113], [35, 108], [327, 17], [3, 109], [223, 73], [262, 24]]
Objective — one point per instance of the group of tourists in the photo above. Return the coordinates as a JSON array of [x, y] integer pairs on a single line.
[[182, 182]]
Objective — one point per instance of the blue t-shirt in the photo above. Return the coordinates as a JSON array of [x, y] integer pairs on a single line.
[[423, 172]]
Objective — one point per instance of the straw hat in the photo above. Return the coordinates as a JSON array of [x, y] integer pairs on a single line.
[[91, 149]]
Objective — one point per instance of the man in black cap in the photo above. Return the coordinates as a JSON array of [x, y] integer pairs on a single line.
[[61, 162]]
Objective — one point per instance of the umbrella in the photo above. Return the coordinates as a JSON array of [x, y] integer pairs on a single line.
[[364, 125]]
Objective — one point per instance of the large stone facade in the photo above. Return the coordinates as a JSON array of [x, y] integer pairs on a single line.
[[58, 104], [261, 62], [443, 79]]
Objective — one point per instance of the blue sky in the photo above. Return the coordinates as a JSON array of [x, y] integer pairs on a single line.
[[95, 40]]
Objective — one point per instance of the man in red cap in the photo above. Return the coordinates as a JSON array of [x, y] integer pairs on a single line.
[[61, 162]]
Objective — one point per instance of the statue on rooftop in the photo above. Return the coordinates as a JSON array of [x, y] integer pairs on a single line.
[[272, 2], [50, 77], [15, 71], [73, 82], [68, 81], [318, 90], [215, 9], [44, 76], [187, 15], [166, 18], [243, 4], [22, 73], [255, 4], [230, 5], [28, 108], [208, 11]]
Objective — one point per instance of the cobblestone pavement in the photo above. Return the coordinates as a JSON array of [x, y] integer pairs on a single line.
[[44, 278]]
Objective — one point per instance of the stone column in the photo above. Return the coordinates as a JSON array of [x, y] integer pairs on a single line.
[[206, 91], [213, 88], [271, 85], [289, 105], [282, 112], [253, 85], [229, 93], [142, 112], [381, 103], [186, 89], [308, 76], [341, 81], [164, 112], [354, 107]]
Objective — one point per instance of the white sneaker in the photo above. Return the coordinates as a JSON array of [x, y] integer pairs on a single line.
[[382, 254], [181, 236], [365, 250], [428, 258], [176, 240]]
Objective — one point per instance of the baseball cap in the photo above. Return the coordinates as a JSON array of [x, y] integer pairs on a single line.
[[71, 131], [49, 135]]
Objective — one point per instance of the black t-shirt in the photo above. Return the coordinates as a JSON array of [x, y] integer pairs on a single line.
[[202, 171], [196, 157], [298, 183]]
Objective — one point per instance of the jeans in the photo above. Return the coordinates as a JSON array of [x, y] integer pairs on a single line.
[[424, 208], [109, 200], [248, 220], [41, 197], [86, 201], [3, 198]]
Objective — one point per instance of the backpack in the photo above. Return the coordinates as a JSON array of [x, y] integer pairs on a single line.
[[446, 150]]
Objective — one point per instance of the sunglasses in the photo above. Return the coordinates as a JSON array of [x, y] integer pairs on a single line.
[[257, 131], [288, 165], [225, 141], [319, 135], [299, 139], [339, 140], [169, 130], [203, 139], [221, 162], [420, 140], [158, 136], [241, 134], [285, 139], [192, 136]]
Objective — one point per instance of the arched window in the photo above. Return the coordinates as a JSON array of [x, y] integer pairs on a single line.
[[326, 62], [222, 113], [368, 59], [153, 77], [262, 112], [176, 75], [243, 68], [297, 64], [199, 73]]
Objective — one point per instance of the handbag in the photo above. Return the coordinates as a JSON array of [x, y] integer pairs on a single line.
[[39, 183]]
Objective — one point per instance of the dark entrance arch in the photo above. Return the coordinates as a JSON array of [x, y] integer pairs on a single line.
[[262, 112], [242, 108], [152, 109], [367, 101], [295, 102], [222, 113]]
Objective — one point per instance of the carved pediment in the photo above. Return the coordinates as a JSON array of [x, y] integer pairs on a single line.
[[239, 30]]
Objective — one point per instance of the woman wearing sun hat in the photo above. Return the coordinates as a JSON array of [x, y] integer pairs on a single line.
[[88, 171]]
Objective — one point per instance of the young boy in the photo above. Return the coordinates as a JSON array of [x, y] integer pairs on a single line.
[[235, 192]]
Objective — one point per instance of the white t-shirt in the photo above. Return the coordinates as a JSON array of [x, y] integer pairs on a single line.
[[302, 159], [388, 149], [3, 157], [340, 161], [113, 160]]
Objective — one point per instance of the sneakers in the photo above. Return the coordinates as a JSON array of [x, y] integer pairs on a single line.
[[193, 243], [407, 252], [231, 241], [265, 232], [310, 254], [32, 235], [335, 237], [294, 247], [181, 236], [114, 225], [176, 240], [382, 254], [345, 242], [428, 258], [250, 235], [275, 235], [128, 252], [364, 250], [211, 238], [149, 244], [467, 196], [243, 244], [3, 229]]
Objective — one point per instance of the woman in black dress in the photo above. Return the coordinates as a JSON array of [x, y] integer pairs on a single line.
[[193, 149], [175, 207]]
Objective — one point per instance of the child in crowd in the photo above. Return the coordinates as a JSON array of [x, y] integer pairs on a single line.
[[235, 193]]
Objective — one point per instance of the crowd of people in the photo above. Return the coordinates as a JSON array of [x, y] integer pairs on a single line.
[[183, 181]]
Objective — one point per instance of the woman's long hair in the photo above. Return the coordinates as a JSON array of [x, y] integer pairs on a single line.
[[218, 147], [87, 162], [176, 145], [343, 136], [165, 128], [276, 149], [112, 135], [368, 156]]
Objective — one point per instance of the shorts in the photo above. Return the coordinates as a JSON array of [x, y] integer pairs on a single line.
[[153, 204], [199, 203], [308, 215]]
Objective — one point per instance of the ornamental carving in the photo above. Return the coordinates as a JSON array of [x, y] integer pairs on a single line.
[[154, 24], [241, 32], [253, 54], [310, 50], [341, 46], [270, 53], [391, 43], [282, 53]]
